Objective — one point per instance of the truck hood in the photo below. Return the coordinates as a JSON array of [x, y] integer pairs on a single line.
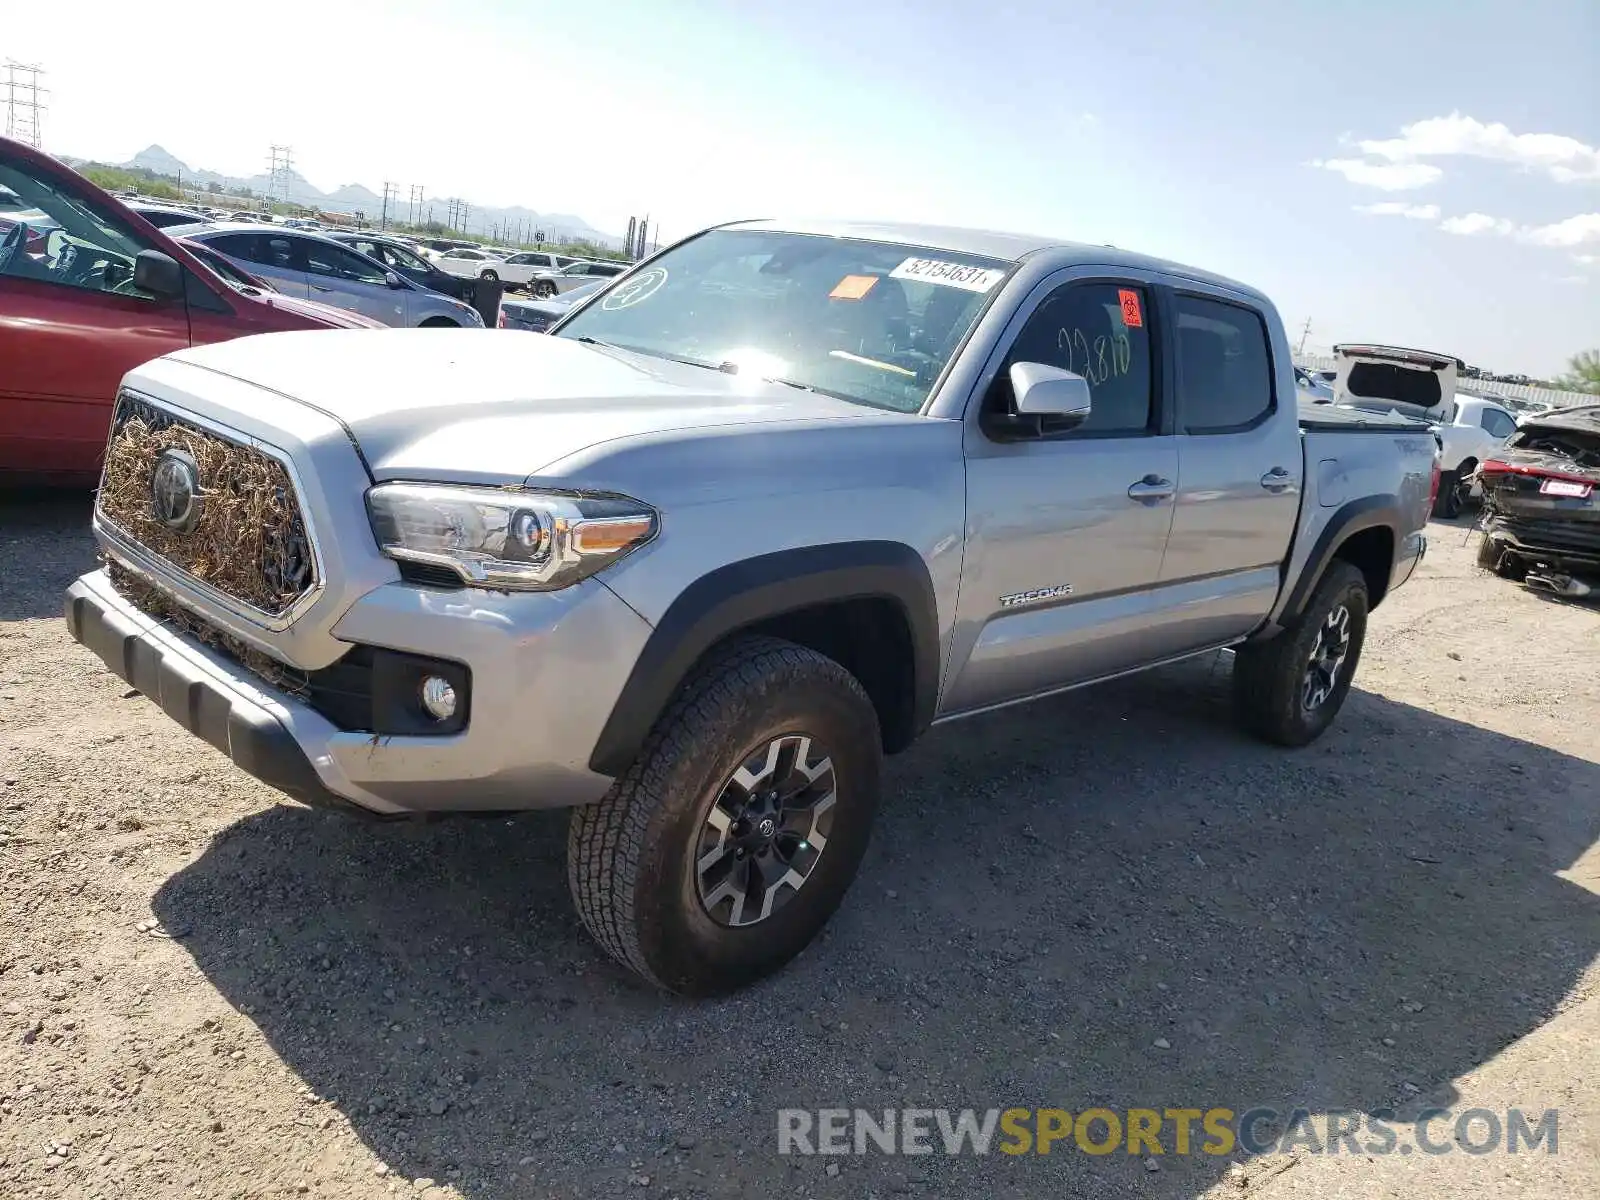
[[485, 405]]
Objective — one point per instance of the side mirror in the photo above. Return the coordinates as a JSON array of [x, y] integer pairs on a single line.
[[1046, 391], [392, 278], [157, 274]]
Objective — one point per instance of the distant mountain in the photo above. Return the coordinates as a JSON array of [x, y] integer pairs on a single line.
[[356, 197]]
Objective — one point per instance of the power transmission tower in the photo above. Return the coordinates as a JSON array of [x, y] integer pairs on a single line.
[[24, 108], [280, 164], [416, 202], [1304, 333], [390, 191]]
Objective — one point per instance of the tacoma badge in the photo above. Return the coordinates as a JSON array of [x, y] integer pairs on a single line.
[[1045, 593]]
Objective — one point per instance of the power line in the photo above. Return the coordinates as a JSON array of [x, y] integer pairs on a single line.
[[24, 108]]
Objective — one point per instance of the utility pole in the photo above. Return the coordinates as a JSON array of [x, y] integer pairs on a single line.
[[24, 109], [1304, 333], [391, 191]]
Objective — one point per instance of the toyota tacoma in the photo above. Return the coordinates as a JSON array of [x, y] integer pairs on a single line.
[[766, 507]]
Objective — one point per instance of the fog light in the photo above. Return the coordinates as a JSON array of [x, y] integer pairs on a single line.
[[439, 698]]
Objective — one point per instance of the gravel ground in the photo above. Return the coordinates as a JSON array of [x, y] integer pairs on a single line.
[[1110, 898]]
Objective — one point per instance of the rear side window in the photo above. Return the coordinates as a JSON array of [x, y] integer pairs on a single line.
[[1224, 366], [1497, 424]]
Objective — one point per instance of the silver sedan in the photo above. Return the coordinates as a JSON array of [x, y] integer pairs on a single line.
[[314, 267]]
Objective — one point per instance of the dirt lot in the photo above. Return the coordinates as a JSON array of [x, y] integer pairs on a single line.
[[1111, 898]]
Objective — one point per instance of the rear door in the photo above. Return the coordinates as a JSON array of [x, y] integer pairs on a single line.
[[1065, 533], [1240, 465], [71, 321]]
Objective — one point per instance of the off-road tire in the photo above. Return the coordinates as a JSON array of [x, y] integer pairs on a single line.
[[1268, 676], [629, 856], [1493, 556], [1447, 503]]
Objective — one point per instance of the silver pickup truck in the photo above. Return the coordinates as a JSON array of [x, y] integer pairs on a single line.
[[769, 506]]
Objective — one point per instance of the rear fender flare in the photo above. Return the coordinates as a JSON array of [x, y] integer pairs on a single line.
[[744, 593], [1369, 512]]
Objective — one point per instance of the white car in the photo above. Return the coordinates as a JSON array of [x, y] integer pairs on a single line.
[[521, 267], [1422, 384]]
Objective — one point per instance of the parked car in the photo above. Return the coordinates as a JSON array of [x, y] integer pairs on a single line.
[[779, 501], [551, 283], [1541, 495], [241, 280], [1317, 390], [402, 259], [164, 216], [535, 316], [1422, 384], [102, 291], [466, 262], [316, 267]]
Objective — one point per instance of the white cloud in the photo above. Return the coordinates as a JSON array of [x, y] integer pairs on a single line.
[[1587, 260], [1476, 223], [1574, 231], [1386, 177], [1565, 158], [1395, 208]]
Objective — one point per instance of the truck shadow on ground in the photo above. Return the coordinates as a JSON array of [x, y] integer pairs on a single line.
[[53, 526], [1050, 891]]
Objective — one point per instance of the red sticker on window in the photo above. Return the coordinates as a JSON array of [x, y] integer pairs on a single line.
[[1131, 317]]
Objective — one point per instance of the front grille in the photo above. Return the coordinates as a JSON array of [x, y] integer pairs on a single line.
[[243, 534]]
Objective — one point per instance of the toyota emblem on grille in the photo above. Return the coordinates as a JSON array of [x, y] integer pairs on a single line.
[[175, 490]]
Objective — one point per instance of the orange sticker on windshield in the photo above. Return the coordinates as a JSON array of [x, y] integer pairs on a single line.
[[1131, 316], [853, 287]]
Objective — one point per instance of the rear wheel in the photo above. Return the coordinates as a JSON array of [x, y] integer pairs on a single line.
[[544, 289], [1448, 502], [1493, 555], [438, 323], [1289, 689], [490, 277], [736, 833]]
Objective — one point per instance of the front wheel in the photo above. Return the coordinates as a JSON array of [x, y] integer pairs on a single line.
[[733, 837], [438, 323], [1289, 689], [490, 277], [543, 290]]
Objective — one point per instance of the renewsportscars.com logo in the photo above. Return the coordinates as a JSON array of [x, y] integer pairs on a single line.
[[1149, 1131]]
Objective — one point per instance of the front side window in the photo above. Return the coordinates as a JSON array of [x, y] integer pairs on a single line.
[[1224, 366], [1102, 332], [50, 234], [865, 321]]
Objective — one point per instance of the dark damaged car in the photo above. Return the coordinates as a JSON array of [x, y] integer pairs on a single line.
[[1541, 496]]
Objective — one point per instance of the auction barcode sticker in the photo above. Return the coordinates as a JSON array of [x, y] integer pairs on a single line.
[[950, 274]]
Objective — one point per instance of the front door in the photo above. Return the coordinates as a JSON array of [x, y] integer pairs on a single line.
[[1065, 534], [71, 321], [338, 275]]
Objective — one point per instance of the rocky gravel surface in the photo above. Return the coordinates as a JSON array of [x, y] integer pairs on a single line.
[[1111, 898]]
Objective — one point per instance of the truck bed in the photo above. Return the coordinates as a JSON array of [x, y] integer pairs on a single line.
[[1331, 418]]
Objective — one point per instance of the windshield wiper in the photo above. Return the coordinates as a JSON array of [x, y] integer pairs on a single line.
[[727, 368]]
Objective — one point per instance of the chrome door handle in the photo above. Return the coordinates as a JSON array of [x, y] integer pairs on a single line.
[[1277, 480], [1152, 489]]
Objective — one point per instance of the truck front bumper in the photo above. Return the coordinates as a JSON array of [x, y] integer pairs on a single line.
[[545, 669]]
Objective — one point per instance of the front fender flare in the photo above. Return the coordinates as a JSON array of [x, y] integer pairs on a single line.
[[744, 593]]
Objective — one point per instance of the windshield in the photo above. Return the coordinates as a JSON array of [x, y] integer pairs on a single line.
[[871, 322]]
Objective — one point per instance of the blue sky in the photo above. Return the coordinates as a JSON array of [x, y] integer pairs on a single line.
[[1246, 137]]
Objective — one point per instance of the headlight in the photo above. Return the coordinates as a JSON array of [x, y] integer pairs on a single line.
[[501, 538]]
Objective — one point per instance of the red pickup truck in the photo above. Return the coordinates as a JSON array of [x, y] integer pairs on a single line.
[[89, 290]]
